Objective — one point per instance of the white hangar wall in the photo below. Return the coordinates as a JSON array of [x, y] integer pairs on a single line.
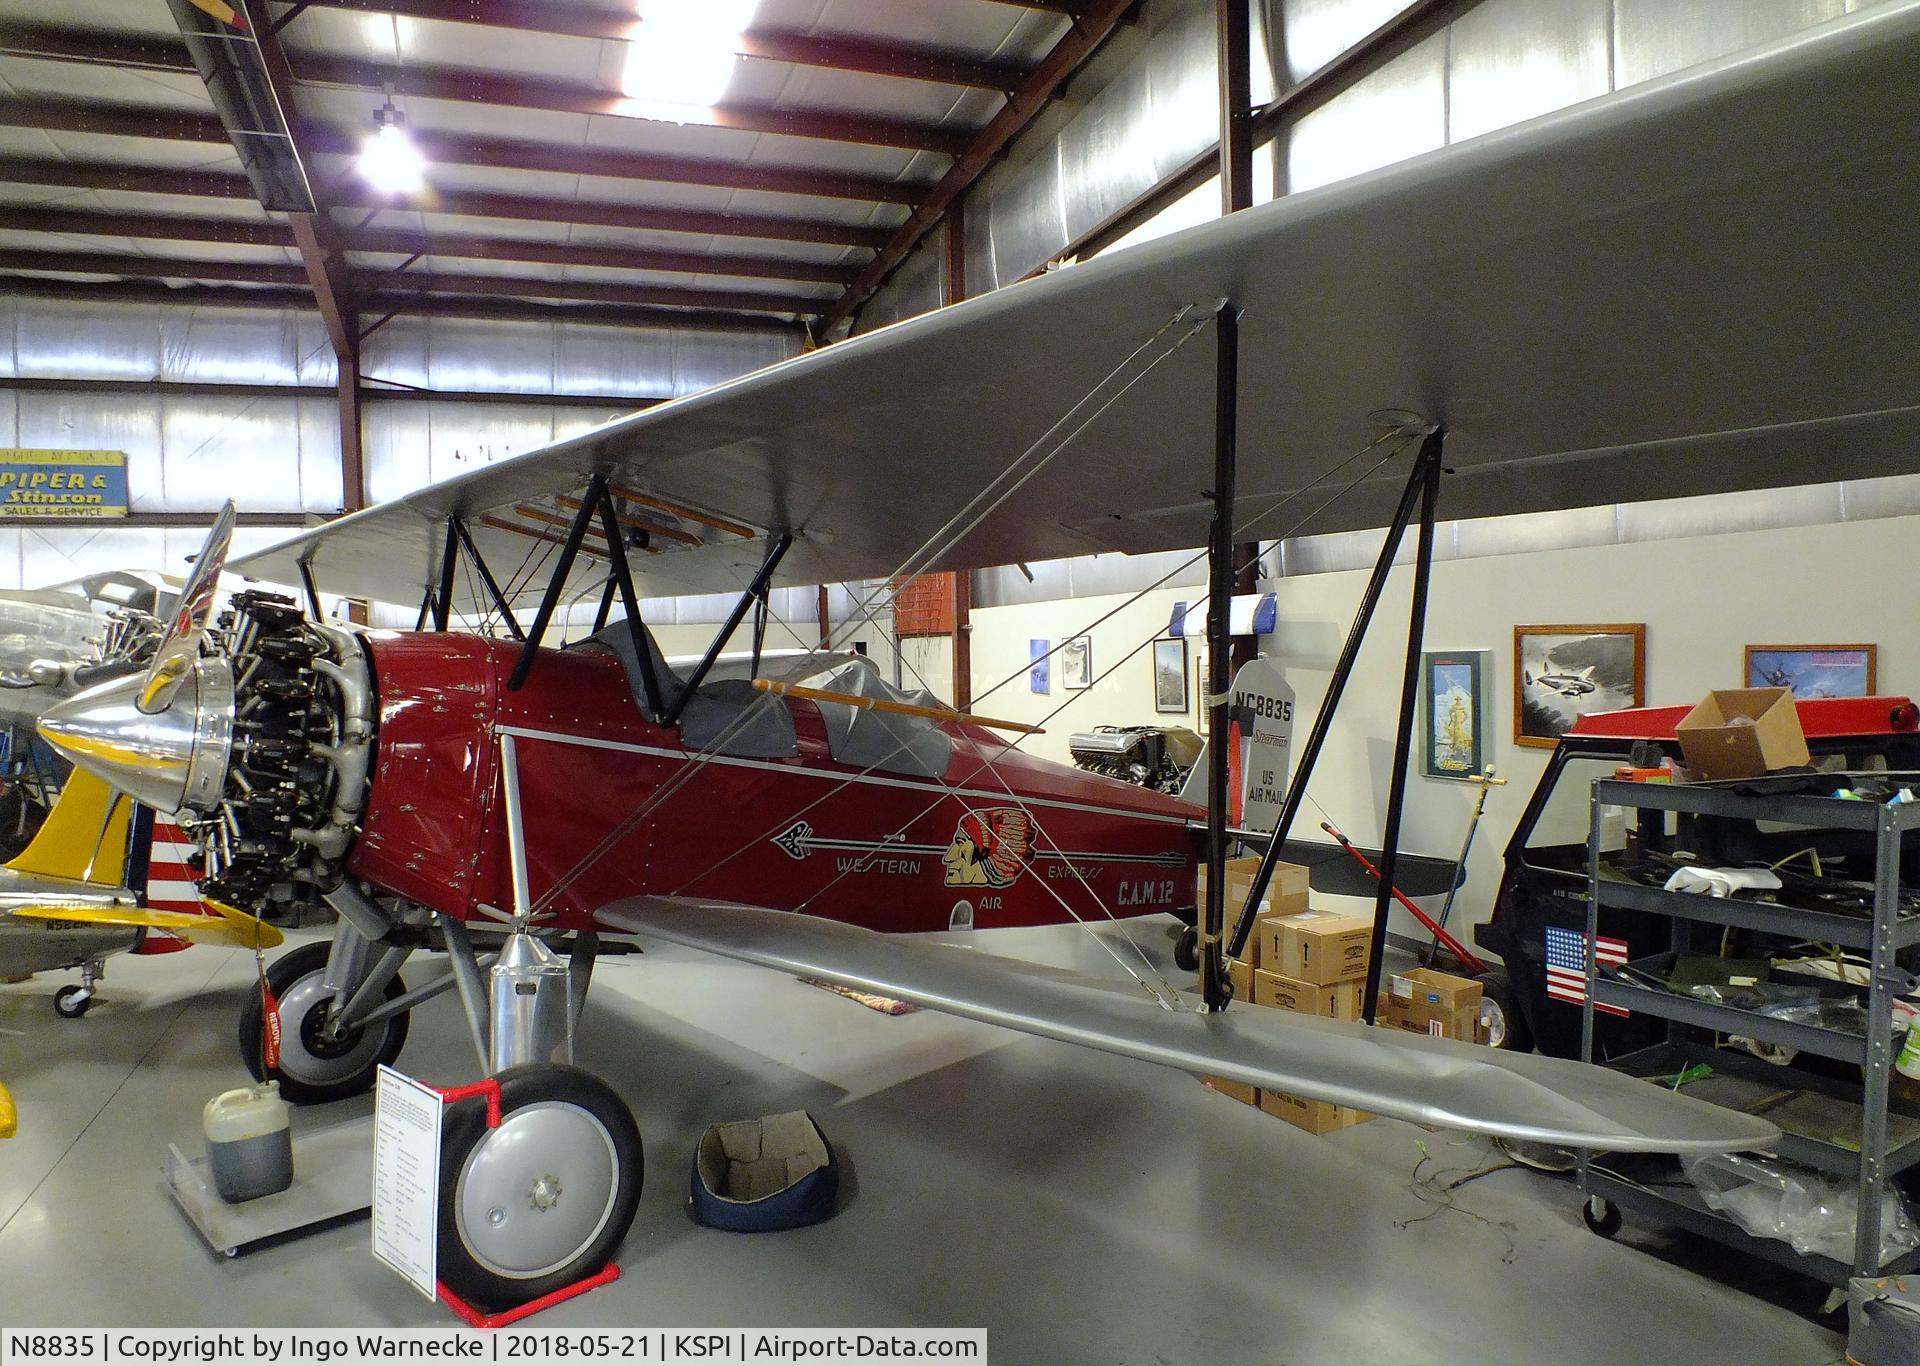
[[1703, 599], [187, 453], [1772, 565]]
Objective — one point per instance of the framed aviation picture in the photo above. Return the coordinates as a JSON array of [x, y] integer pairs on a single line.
[[1076, 664], [1560, 673], [1453, 686], [1040, 655], [1170, 675], [1814, 670]]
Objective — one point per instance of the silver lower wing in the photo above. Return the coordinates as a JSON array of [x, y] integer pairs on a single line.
[[1407, 1076]]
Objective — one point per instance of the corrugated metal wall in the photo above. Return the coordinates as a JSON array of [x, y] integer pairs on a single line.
[[1143, 107], [188, 453], [1148, 103]]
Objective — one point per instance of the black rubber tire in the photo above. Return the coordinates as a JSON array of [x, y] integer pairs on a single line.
[[1186, 950], [1604, 1221], [71, 1002], [465, 1124], [282, 974], [1497, 989]]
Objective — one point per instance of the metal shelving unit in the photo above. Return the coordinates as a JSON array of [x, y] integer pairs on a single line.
[[1873, 1161]]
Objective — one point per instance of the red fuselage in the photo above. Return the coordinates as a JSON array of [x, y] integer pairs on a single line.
[[884, 850]]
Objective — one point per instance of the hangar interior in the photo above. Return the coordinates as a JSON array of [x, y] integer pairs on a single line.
[[220, 287]]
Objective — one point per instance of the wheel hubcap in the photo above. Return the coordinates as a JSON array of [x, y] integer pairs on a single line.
[[1494, 1019], [535, 1192], [311, 1052]]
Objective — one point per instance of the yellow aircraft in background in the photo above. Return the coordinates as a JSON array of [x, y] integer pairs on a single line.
[[65, 902]]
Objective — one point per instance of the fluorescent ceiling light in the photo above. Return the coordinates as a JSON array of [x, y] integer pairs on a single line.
[[388, 159], [682, 57]]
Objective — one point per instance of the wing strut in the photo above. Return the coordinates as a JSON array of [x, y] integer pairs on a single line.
[[753, 593], [458, 526], [557, 581], [597, 504], [1215, 990], [1422, 491], [438, 603]]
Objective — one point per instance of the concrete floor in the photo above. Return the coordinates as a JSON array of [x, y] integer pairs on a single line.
[[1083, 1208]]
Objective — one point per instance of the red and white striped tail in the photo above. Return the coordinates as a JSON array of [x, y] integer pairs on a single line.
[[169, 884], [169, 878]]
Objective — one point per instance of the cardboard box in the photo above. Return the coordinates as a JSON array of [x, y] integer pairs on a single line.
[[1424, 1001], [1238, 1090], [1338, 1001], [1315, 1116], [1241, 974], [1286, 889], [1316, 946], [1742, 733]]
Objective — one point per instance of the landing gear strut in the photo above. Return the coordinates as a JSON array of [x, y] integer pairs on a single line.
[[324, 1053], [543, 1199], [529, 1206], [76, 999]]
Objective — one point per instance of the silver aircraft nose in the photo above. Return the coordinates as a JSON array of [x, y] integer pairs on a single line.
[[173, 758]]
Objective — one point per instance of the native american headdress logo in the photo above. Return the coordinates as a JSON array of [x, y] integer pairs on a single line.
[[989, 847]]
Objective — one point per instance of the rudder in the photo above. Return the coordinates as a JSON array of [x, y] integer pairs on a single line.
[[84, 837]]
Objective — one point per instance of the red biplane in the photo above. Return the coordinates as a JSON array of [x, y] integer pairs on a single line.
[[1690, 287]]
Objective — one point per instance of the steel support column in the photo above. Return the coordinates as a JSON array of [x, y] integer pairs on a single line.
[[955, 244], [1234, 24], [353, 474], [1236, 105], [1215, 989]]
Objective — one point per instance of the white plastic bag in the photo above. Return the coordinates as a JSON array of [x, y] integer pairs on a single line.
[[1783, 1200]]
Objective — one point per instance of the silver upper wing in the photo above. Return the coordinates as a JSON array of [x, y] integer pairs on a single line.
[[1389, 1072], [1702, 283]]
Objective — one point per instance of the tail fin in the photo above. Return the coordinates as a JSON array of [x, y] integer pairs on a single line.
[[85, 835]]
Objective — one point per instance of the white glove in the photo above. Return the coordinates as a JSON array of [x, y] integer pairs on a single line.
[[1723, 881]]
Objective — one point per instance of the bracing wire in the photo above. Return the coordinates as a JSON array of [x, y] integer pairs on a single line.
[[1031, 461], [957, 527], [1007, 744]]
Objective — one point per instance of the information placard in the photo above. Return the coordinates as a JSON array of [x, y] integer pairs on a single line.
[[406, 1177]]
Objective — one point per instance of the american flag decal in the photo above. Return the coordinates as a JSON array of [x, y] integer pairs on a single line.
[[1567, 965]]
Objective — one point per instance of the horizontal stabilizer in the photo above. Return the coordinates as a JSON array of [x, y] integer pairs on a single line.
[[1407, 1076], [223, 926]]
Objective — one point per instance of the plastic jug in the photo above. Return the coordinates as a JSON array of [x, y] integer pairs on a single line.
[[249, 1142], [1906, 1016]]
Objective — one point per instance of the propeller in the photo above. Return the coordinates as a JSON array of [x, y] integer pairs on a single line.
[[180, 647]]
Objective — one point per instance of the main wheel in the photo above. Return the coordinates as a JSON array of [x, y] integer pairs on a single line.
[[545, 1199], [1500, 1013], [316, 1065], [1186, 950], [1602, 1216], [71, 1002]]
